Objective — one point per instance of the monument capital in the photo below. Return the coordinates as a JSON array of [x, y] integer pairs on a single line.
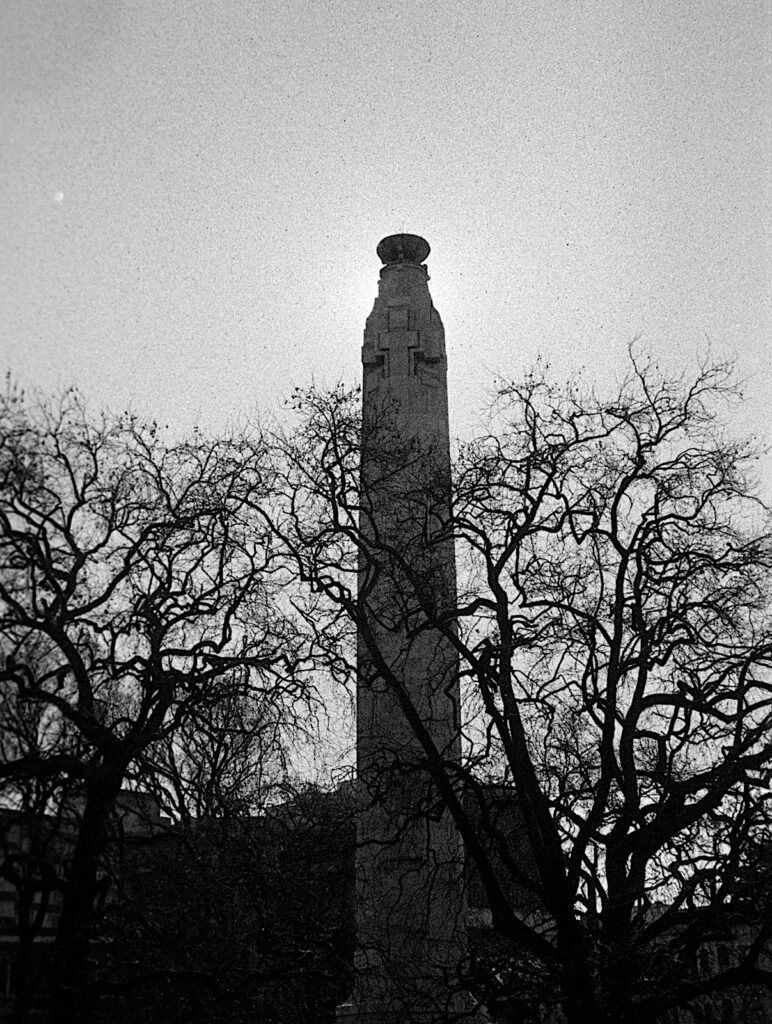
[[403, 249]]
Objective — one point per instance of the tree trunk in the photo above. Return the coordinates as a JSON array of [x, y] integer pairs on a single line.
[[22, 997], [587, 999], [73, 937]]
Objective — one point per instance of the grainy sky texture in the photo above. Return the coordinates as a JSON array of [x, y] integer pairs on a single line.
[[191, 193]]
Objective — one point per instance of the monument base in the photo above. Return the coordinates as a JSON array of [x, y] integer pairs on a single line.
[[348, 1013], [377, 1000]]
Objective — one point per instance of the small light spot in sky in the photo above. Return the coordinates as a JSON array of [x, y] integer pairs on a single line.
[[58, 197]]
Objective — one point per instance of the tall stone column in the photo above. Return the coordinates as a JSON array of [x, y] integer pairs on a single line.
[[409, 872]]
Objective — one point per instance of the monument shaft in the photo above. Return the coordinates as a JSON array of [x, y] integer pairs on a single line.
[[409, 887]]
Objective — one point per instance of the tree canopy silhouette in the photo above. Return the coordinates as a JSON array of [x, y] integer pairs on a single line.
[[137, 597], [613, 628]]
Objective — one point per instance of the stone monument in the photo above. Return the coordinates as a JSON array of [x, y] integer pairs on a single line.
[[409, 867]]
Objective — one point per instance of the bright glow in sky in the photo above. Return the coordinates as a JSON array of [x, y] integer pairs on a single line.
[[191, 194]]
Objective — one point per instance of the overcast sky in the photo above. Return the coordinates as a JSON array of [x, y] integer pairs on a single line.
[[191, 193]]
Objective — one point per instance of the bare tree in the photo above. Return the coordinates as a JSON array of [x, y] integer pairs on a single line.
[[137, 596], [613, 631], [226, 759]]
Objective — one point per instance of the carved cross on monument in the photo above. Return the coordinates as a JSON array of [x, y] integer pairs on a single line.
[[400, 349]]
